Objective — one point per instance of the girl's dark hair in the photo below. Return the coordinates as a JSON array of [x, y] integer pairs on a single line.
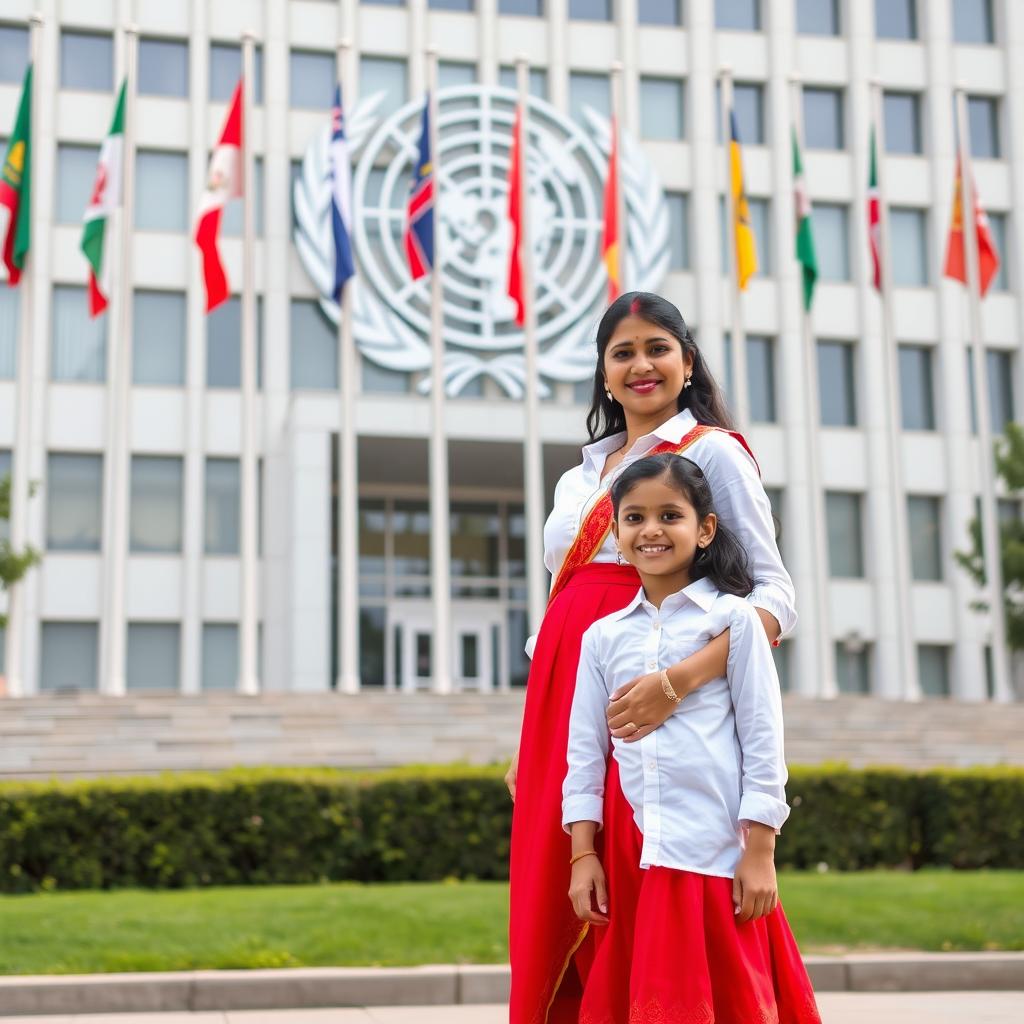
[[723, 561], [703, 398]]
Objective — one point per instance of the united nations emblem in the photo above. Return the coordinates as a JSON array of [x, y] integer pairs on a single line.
[[566, 171]]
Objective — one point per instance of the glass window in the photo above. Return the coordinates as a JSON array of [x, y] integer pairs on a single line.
[[538, 80], [163, 67], [74, 500], [226, 70], [530, 8], [161, 191], [381, 380], [153, 657], [909, 247], [902, 113], [232, 220], [312, 79], [69, 656], [10, 319], [933, 669], [678, 230], [410, 526], [661, 108], [832, 240], [220, 656], [450, 5], [158, 338], [917, 390], [588, 90], [156, 503], [224, 344], [983, 125], [895, 19], [1000, 389], [386, 75], [972, 21], [748, 106], [518, 631], [817, 17], [79, 343], [845, 535], [823, 118], [451, 73], [761, 222], [76, 174], [314, 347], [475, 536], [997, 225], [86, 61], [372, 538], [659, 12], [223, 504], [925, 527], [372, 626], [590, 10], [741, 14], [761, 378], [853, 668], [13, 53], [837, 396]]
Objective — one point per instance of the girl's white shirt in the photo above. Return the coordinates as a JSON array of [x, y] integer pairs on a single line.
[[739, 498], [716, 762]]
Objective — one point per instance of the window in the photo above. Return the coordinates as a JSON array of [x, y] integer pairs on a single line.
[[832, 240], [925, 528], [10, 318], [933, 669], [475, 533], [909, 247], [678, 204], [13, 53], [314, 347], [223, 502], [76, 173], [587, 90], [748, 106], [845, 535], [381, 380], [823, 118], [983, 125], [232, 222], [86, 61], [659, 12], [538, 80], [761, 378], [386, 75], [161, 191], [853, 668], [79, 344], [312, 79], [224, 344], [760, 223], [220, 656], [450, 5], [74, 487], [741, 14], [529, 8], [156, 500], [226, 70], [896, 19], [917, 389], [452, 73], [817, 17], [163, 67], [590, 10], [661, 108], [902, 114], [972, 21], [158, 338], [372, 627], [153, 659], [997, 225], [69, 656], [1000, 389], [837, 396]]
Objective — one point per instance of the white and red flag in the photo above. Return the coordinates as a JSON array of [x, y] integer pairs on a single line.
[[223, 184]]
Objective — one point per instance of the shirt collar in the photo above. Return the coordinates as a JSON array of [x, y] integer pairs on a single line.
[[672, 430], [703, 593]]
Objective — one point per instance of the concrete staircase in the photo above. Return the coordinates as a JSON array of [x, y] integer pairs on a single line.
[[88, 735]]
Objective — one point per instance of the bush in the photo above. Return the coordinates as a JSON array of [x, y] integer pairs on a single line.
[[283, 825]]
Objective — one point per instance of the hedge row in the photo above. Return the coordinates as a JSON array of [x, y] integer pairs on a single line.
[[294, 825]]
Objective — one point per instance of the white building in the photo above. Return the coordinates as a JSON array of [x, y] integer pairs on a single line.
[[183, 571]]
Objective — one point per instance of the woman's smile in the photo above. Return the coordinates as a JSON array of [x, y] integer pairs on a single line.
[[653, 550], [645, 386]]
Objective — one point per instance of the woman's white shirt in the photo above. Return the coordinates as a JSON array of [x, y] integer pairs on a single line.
[[717, 760]]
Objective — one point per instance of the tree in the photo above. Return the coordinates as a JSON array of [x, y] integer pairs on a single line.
[[13, 564]]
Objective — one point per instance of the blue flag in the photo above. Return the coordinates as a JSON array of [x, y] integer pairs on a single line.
[[340, 170]]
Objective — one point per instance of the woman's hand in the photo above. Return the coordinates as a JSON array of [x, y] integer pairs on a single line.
[[510, 775], [639, 707], [755, 889], [587, 888]]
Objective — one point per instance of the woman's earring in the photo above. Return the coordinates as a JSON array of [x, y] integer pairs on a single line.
[[608, 395], [688, 383], [618, 555]]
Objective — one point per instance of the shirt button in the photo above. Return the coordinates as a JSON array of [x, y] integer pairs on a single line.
[[650, 766], [652, 664], [657, 624]]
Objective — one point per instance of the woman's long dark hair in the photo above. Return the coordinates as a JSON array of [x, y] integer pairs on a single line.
[[723, 561], [704, 398]]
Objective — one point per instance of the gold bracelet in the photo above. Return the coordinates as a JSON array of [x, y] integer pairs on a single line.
[[579, 856], [666, 685]]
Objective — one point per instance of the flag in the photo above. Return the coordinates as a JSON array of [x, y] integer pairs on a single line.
[[805, 254], [746, 244], [610, 239], [988, 256], [16, 187], [341, 197], [106, 197], [224, 183], [874, 212], [419, 216], [515, 216]]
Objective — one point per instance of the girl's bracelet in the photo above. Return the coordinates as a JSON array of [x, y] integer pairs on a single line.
[[579, 856], [666, 685]]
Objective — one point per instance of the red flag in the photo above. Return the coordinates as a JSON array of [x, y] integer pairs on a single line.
[[610, 239], [15, 188], [515, 215], [223, 184], [988, 257]]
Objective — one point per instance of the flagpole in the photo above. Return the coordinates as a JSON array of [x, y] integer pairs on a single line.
[[19, 493], [990, 532], [740, 395], [348, 454], [620, 192], [440, 540], [248, 636]]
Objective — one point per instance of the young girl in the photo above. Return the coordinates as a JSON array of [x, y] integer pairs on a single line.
[[711, 944]]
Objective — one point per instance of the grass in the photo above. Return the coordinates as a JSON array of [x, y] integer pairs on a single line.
[[292, 926]]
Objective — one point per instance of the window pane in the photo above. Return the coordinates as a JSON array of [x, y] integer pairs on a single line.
[[86, 61], [832, 241], [13, 53], [314, 347], [997, 224], [902, 112], [659, 12], [383, 74], [153, 656], [983, 124], [372, 624], [381, 380], [410, 525], [853, 669], [1000, 389], [836, 394], [741, 14], [823, 119], [917, 388], [74, 486], [538, 80], [679, 230], [590, 10], [761, 222], [76, 173], [748, 106], [845, 537], [155, 516], [158, 338], [532, 8], [79, 343], [895, 19], [817, 17], [661, 108], [925, 526], [761, 378], [69, 655], [163, 67], [10, 319], [312, 79], [586, 90], [518, 631], [933, 669], [475, 536], [220, 656], [450, 5], [223, 502], [231, 224], [451, 73], [909, 251], [972, 21], [226, 70], [161, 191], [224, 344]]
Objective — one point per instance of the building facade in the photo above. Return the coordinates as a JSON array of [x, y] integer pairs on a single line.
[[183, 567]]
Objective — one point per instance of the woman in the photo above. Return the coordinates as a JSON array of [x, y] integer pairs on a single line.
[[652, 393]]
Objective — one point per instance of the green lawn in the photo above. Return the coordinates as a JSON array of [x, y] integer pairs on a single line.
[[281, 926]]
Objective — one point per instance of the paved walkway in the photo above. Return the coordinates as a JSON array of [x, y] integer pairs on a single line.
[[836, 1008]]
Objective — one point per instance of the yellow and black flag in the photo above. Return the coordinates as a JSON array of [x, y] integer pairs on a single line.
[[746, 244]]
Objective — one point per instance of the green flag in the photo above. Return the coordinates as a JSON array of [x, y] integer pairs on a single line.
[[804, 234], [15, 188]]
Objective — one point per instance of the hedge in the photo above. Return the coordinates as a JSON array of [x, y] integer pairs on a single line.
[[283, 825]]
